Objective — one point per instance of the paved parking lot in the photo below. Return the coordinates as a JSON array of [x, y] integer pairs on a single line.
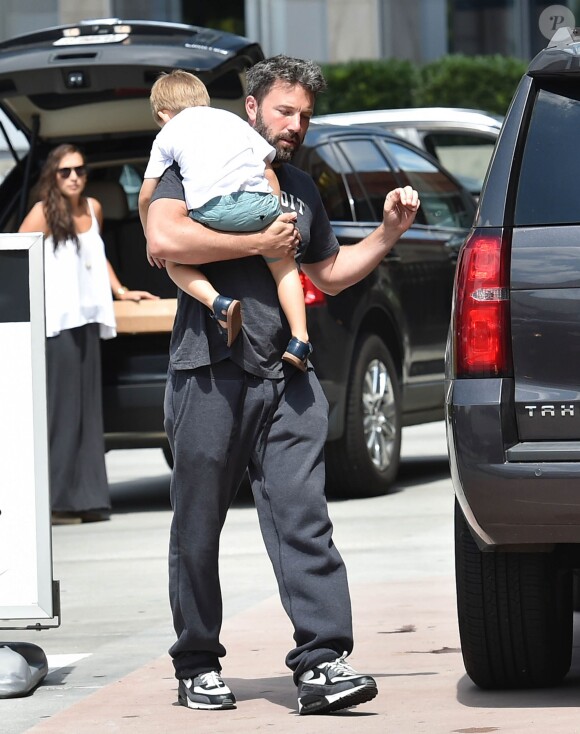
[[109, 667]]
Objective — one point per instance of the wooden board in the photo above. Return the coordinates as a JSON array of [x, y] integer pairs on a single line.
[[137, 317]]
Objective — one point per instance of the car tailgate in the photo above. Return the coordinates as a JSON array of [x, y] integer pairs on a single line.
[[545, 320], [104, 69]]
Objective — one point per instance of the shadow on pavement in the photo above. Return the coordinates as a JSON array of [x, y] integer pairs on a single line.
[[151, 494], [418, 469]]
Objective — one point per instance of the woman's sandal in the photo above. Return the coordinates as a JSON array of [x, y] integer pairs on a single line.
[[228, 314], [297, 353]]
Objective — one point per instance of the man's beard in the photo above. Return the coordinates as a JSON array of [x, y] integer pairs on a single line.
[[283, 155]]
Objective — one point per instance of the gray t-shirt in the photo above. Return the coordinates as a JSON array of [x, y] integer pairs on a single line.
[[196, 341]]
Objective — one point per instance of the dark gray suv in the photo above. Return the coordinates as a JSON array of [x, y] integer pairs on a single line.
[[513, 389]]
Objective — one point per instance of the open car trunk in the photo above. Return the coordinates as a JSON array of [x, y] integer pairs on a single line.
[[89, 84]]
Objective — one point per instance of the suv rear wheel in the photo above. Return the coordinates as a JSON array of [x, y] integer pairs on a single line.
[[515, 614], [365, 461]]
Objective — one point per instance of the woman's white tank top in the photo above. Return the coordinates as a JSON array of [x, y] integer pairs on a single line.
[[76, 284]]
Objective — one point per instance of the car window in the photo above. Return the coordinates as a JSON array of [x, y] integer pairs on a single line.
[[443, 203], [131, 180], [325, 166], [548, 181], [370, 173], [10, 137], [465, 155]]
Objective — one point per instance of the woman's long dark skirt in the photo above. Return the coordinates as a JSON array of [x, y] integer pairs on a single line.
[[78, 476]]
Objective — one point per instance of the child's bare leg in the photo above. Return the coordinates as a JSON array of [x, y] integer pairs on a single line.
[[272, 179], [290, 295], [226, 310], [291, 298], [193, 281]]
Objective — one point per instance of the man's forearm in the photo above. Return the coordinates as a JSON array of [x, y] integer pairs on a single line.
[[352, 263], [172, 235]]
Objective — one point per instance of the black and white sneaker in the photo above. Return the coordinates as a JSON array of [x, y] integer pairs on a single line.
[[205, 691], [333, 686]]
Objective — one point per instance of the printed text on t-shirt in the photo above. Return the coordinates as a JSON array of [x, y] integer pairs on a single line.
[[291, 202]]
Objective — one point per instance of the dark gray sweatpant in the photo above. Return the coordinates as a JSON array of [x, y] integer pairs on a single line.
[[219, 421]]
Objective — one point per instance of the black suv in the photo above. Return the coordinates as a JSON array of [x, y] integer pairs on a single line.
[[379, 346], [513, 392]]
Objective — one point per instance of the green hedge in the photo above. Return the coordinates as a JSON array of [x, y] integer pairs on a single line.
[[368, 85], [481, 82]]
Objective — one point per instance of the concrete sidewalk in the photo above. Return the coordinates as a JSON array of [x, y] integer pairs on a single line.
[[411, 648], [395, 642]]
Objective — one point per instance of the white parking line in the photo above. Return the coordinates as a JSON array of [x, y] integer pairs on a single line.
[[56, 662]]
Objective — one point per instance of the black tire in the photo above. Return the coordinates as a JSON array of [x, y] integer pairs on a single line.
[[515, 614], [373, 414]]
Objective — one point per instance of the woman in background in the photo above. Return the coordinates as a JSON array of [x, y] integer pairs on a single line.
[[79, 288]]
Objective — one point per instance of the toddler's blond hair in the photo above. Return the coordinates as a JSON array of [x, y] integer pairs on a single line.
[[176, 91]]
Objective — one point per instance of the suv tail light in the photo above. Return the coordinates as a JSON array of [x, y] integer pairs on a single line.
[[313, 296], [481, 316]]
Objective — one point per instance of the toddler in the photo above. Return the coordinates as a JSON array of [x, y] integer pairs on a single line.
[[229, 185]]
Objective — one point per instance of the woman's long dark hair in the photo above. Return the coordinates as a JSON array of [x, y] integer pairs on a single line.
[[57, 208]]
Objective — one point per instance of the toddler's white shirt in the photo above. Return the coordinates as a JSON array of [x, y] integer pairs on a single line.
[[217, 152]]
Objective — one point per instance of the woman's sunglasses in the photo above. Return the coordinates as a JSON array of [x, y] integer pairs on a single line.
[[66, 172]]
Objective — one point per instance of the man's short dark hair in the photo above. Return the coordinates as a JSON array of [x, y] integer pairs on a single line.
[[263, 75]]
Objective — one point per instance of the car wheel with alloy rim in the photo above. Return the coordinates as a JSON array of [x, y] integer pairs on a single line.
[[364, 462]]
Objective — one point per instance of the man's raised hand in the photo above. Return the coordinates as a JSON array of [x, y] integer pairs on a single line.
[[400, 208]]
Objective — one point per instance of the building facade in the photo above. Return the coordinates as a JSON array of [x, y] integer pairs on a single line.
[[335, 30]]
